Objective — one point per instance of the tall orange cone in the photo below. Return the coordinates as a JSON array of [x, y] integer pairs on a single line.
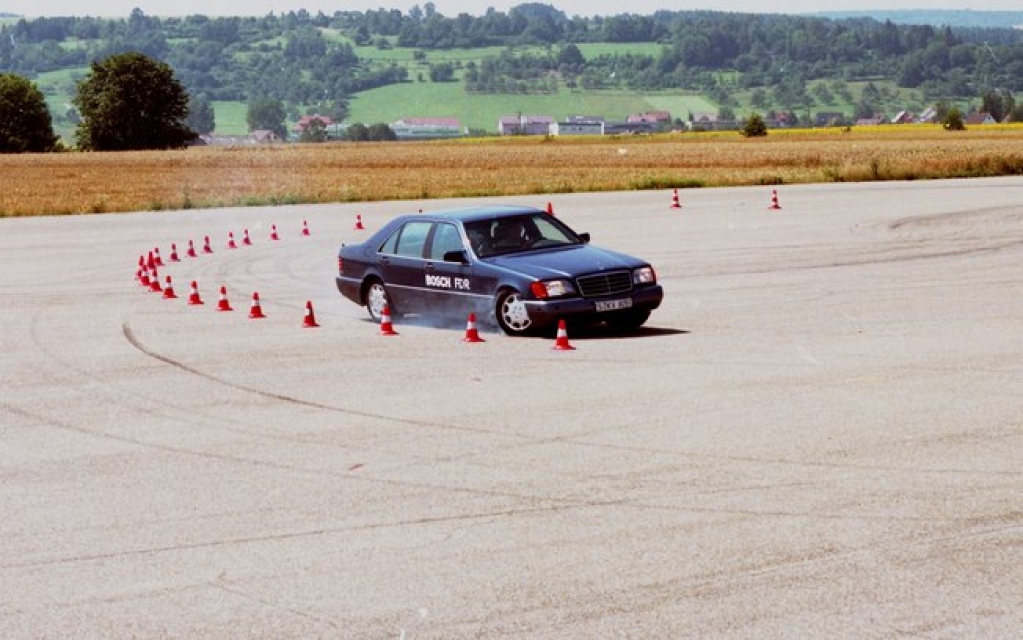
[[386, 328], [144, 277], [230, 240], [256, 311], [550, 209], [561, 344], [174, 253], [305, 228], [151, 261], [154, 282], [206, 248], [168, 289], [223, 304], [774, 200], [675, 203], [273, 232], [471, 333], [156, 257], [191, 250], [309, 321], [193, 297], [246, 240], [358, 223]]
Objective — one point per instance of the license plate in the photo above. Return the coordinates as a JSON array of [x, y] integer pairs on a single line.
[[613, 305]]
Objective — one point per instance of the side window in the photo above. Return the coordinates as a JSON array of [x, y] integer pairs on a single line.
[[412, 238], [445, 238]]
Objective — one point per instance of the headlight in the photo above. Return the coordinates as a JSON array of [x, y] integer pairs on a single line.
[[552, 289], [644, 275]]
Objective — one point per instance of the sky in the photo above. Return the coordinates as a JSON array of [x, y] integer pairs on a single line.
[[451, 8]]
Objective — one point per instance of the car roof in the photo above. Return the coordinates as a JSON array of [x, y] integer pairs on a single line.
[[487, 212]]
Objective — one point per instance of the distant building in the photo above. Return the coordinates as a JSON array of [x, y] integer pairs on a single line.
[[904, 117], [579, 126], [928, 116], [828, 118], [649, 117], [428, 128], [521, 125], [305, 121], [981, 117], [871, 121]]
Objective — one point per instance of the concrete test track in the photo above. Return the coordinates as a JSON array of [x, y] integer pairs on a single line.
[[818, 435]]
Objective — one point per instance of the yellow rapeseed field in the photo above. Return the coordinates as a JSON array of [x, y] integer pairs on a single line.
[[75, 183]]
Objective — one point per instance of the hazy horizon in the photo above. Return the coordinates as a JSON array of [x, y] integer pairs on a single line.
[[451, 8]]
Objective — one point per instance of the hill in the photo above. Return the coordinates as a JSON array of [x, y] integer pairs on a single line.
[[936, 17]]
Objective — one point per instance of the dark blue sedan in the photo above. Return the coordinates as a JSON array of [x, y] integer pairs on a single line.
[[517, 266]]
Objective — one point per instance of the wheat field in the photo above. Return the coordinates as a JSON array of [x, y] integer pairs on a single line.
[[205, 177]]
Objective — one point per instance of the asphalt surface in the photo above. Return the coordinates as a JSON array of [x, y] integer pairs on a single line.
[[818, 435]]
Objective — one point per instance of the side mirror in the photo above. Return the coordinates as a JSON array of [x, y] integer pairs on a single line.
[[585, 237], [459, 256]]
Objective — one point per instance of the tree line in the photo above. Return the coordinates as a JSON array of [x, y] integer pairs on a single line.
[[309, 61], [289, 57]]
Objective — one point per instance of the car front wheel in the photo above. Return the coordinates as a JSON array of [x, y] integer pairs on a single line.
[[512, 315], [377, 300]]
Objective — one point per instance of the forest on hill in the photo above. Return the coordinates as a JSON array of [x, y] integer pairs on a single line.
[[319, 62]]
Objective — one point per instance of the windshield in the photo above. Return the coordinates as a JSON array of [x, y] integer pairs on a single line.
[[519, 233]]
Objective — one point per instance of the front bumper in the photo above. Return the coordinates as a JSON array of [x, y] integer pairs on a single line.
[[547, 312]]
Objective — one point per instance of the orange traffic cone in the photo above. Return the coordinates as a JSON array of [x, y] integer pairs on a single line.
[[273, 232], [675, 203], [191, 250], [144, 277], [561, 344], [193, 297], [774, 200], [309, 321], [223, 304], [154, 282], [358, 223], [174, 253], [471, 333], [206, 248], [386, 328], [230, 240], [246, 240], [550, 209], [150, 261], [168, 289], [256, 311], [156, 257], [305, 228]]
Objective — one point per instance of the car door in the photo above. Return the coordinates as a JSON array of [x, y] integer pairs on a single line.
[[449, 283], [402, 264]]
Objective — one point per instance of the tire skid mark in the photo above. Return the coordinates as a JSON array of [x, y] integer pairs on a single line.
[[280, 397], [235, 591], [314, 533]]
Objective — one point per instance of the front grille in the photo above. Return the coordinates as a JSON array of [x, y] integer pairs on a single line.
[[604, 284]]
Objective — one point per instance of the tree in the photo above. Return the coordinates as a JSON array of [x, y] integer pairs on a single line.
[[267, 114], [130, 101], [954, 120], [753, 126], [357, 132], [314, 131], [200, 115], [25, 121], [381, 132]]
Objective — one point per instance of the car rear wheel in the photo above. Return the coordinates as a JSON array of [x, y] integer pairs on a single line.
[[627, 321], [377, 299], [512, 315]]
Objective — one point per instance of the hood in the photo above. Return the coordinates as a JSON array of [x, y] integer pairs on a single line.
[[565, 262]]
